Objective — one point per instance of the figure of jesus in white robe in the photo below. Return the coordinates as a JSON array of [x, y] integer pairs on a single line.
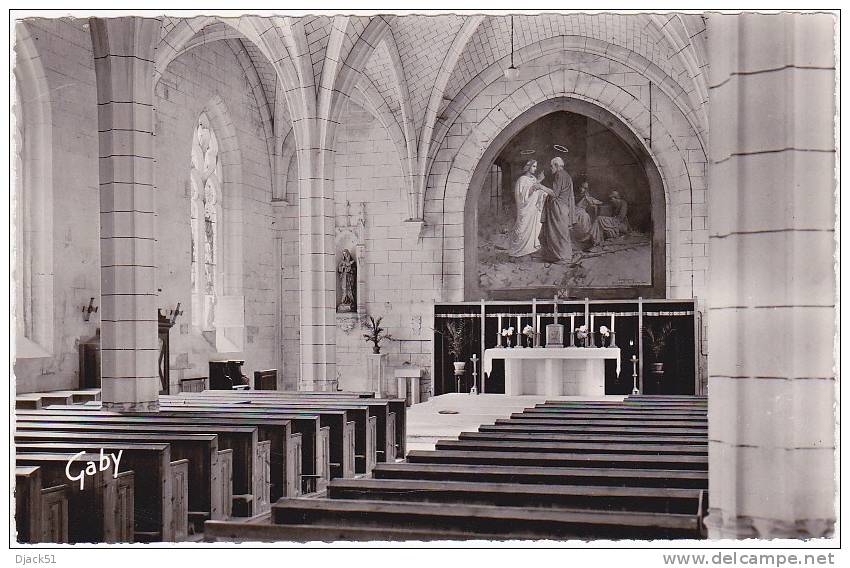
[[529, 196]]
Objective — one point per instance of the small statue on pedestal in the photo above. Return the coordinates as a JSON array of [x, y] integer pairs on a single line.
[[347, 270]]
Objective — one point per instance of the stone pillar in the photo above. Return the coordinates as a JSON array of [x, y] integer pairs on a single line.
[[771, 292], [124, 66], [318, 270]]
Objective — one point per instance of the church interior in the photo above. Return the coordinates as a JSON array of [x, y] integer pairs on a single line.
[[392, 277]]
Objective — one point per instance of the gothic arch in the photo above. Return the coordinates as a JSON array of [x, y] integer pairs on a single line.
[[625, 134], [447, 187], [34, 218]]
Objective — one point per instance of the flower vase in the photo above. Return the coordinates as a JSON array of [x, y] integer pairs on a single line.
[[509, 342]]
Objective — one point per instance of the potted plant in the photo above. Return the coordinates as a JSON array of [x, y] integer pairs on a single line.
[[376, 362], [456, 335], [376, 334], [656, 339]]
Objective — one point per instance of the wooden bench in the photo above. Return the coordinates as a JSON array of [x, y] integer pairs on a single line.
[[161, 492], [624, 477], [342, 430], [293, 454], [395, 406], [603, 421], [41, 513], [473, 520], [503, 425], [250, 457], [381, 438], [220, 531], [616, 411], [654, 499], [468, 445], [103, 510], [541, 459], [305, 460], [194, 384], [265, 380], [210, 469], [567, 437]]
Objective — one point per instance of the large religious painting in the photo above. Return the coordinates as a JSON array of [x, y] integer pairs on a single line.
[[566, 206]]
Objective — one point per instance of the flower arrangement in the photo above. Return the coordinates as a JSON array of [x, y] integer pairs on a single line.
[[376, 334], [604, 334], [582, 333], [528, 331], [508, 333]]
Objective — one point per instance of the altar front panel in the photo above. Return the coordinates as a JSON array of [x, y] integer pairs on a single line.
[[566, 371]]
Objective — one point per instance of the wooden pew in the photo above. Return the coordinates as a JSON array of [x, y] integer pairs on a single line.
[[161, 492], [364, 433], [542, 413], [295, 456], [621, 477], [474, 520], [251, 471], [41, 513], [265, 380], [593, 412], [468, 445], [650, 499], [341, 433], [549, 459], [549, 426], [103, 510], [603, 421], [568, 437], [383, 409], [210, 469], [301, 444]]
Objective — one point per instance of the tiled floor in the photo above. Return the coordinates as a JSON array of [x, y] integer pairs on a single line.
[[425, 424]]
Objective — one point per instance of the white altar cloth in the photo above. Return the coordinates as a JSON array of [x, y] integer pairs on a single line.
[[553, 371]]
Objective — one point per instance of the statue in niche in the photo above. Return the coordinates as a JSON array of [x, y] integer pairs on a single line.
[[347, 270]]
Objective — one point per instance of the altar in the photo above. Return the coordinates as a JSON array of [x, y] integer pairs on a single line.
[[553, 371]]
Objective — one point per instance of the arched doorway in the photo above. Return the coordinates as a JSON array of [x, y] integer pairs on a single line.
[[616, 239]]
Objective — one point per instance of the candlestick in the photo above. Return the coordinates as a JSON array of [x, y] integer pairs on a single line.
[[572, 331], [590, 331], [499, 333], [534, 322], [475, 373], [613, 338], [634, 375]]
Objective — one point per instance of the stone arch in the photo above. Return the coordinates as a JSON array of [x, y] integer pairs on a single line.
[[459, 164], [599, 114], [527, 55], [33, 201]]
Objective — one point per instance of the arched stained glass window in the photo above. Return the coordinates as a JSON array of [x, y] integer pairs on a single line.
[[205, 180]]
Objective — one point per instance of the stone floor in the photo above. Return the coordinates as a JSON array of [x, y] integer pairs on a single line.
[[426, 425]]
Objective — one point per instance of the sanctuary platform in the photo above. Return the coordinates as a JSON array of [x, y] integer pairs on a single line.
[[447, 415]]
